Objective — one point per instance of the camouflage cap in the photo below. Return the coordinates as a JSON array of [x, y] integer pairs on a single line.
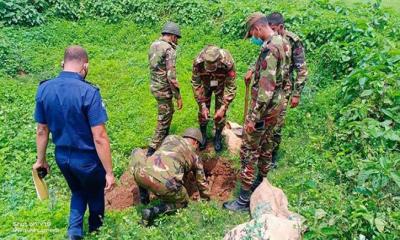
[[171, 28], [193, 133], [211, 54], [254, 17]]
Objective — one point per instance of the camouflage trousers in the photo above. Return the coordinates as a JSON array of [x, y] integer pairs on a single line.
[[256, 149], [164, 185], [277, 136], [219, 101], [164, 119]]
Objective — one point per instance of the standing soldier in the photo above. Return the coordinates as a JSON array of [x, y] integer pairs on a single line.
[[293, 84], [164, 85], [213, 71], [267, 101], [71, 109], [164, 171]]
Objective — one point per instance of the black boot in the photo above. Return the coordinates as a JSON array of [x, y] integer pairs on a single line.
[[149, 214], [144, 196], [150, 151], [256, 182], [73, 237], [218, 140], [203, 130], [241, 204], [275, 157]]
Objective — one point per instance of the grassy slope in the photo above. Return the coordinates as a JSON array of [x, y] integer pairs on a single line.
[[119, 66]]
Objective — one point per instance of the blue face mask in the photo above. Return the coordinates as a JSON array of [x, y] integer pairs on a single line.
[[256, 41]]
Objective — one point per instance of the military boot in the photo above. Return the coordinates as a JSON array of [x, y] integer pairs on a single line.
[[144, 196], [256, 182], [150, 151], [149, 214], [241, 204], [218, 140], [275, 157], [203, 130]]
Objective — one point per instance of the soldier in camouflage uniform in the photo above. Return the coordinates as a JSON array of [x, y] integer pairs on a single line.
[[213, 72], [294, 84], [266, 105], [164, 171], [164, 85]]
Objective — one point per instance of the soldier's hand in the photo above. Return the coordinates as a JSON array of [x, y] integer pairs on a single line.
[[220, 114], [248, 76], [41, 164], [295, 101], [249, 127], [179, 103], [110, 181], [205, 112]]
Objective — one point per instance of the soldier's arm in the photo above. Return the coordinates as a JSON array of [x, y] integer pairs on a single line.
[[201, 178], [230, 87], [197, 86], [170, 61], [266, 88], [299, 62]]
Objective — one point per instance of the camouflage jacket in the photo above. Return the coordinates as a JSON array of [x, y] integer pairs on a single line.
[[223, 79], [298, 63], [176, 150], [162, 60], [267, 87]]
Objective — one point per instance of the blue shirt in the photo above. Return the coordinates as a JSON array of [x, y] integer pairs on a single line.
[[70, 106]]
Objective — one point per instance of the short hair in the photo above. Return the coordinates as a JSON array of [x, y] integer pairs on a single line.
[[75, 53], [260, 22], [275, 18]]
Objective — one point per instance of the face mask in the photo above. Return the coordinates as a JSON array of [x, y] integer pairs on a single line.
[[256, 41]]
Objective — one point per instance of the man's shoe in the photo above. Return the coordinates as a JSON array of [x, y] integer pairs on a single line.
[[218, 140], [150, 151], [203, 130], [144, 196], [73, 237], [241, 204], [149, 214]]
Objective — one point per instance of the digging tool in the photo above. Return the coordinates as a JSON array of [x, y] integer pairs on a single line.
[[40, 185]]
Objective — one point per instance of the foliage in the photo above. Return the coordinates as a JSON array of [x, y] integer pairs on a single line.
[[339, 159]]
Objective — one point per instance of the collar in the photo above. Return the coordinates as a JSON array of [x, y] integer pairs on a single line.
[[170, 43], [74, 75]]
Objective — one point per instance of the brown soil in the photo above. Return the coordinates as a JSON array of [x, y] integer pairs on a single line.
[[221, 178], [124, 195]]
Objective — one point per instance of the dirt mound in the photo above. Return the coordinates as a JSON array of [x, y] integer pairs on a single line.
[[221, 178], [125, 195]]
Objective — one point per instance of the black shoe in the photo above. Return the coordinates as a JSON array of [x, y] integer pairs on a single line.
[[203, 130], [150, 151], [144, 196], [73, 237], [241, 204], [149, 214], [218, 140], [256, 182]]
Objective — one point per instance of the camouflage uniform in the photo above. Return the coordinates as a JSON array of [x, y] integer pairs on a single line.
[[292, 86], [221, 82], [163, 172], [267, 103], [164, 86]]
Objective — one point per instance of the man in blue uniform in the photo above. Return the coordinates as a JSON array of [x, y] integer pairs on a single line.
[[71, 109]]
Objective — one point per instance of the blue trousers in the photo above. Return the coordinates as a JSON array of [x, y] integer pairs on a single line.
[[85, 176]]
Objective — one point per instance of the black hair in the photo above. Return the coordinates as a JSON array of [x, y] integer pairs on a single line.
[[275, 18]]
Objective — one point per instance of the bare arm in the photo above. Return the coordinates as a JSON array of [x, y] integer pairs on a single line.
[[42, 139]]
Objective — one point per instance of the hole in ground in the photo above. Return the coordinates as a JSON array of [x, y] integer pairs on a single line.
[[220, 175]]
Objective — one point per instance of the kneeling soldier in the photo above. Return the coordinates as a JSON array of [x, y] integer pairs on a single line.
[[213, 71], [164, 171]]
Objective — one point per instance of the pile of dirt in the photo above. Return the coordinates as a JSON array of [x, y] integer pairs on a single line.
[[219, 173], [125, 195], [221, 178]]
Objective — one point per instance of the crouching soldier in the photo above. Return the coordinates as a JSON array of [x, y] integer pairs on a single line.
[[213, 72], [164, 171]]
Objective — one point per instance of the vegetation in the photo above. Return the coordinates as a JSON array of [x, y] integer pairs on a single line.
[[339, 159]]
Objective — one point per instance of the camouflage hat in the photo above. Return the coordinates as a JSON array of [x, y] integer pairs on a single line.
[[254, 17], [193, 133], [171, 28], [211, 55]]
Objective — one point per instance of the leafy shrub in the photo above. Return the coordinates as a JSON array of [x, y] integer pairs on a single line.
[[22, 12]]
